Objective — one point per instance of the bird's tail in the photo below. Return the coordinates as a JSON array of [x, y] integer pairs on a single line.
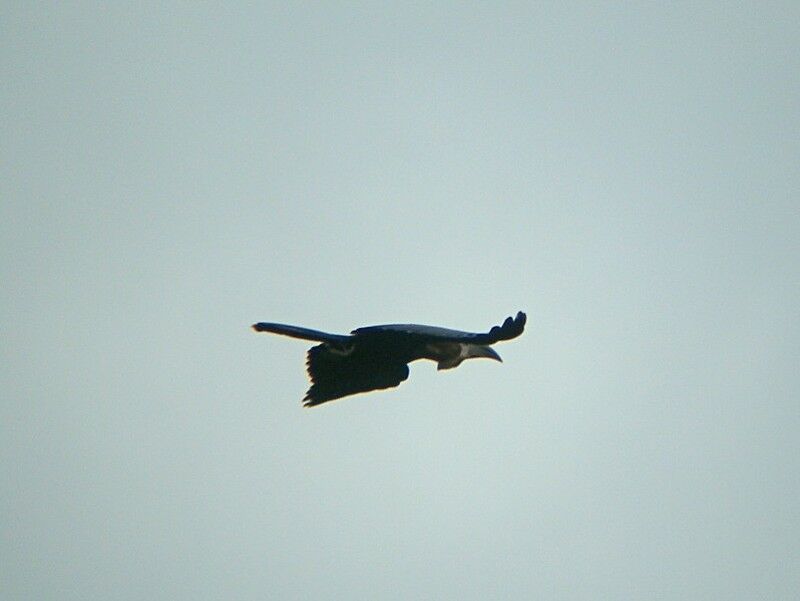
[[298, 332]]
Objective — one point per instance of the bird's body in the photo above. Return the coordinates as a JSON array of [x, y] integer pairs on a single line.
[[376, 357]]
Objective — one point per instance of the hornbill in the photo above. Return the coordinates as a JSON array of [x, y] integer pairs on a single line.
[[376, 357]]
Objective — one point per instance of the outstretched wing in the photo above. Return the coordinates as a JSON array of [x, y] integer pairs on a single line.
[[511, 328], [298, 332], [335, 374]]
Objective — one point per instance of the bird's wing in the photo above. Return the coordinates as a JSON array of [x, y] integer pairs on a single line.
[[335, 374], [511, 328], [299, 332]]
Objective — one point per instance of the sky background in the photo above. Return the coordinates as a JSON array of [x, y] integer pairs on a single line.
[[626, 174]]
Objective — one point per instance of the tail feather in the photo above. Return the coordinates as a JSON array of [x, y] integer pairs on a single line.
[[299, 332]]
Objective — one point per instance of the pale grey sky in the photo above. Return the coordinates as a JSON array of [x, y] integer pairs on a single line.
[[626, 174]]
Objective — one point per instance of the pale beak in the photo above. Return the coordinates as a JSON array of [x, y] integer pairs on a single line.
[[486, 352]]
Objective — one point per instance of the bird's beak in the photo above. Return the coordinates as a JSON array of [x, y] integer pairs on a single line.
[[486, 352]]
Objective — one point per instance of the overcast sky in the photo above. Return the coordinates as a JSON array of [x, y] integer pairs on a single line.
[[627, 174]]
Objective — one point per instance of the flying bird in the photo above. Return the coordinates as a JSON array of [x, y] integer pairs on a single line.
[[377, 357]]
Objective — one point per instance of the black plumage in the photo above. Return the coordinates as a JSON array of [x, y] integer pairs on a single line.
[[376, 357]]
